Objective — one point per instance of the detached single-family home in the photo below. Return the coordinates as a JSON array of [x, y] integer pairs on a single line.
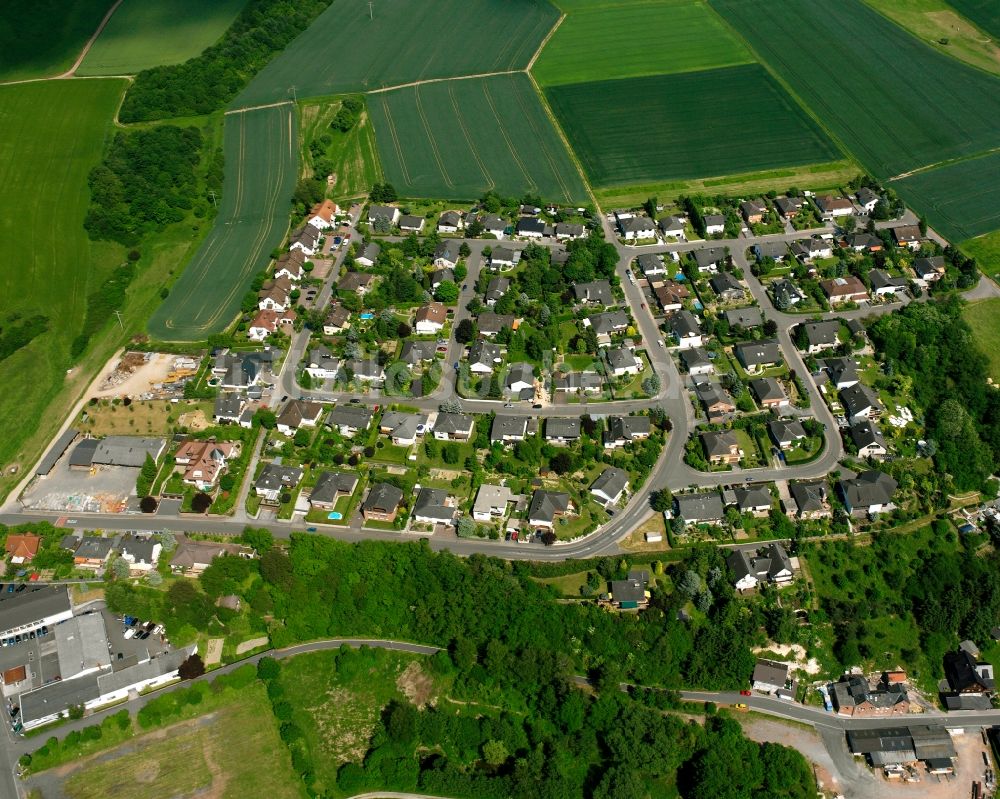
[[610, 485], [624, 430], [321, 364], [843, 372], [810, 499], [727, 287], [822, 335], [530, 227], [547, 506], [492, 501], [769, 676], [753, 211], [384, 211], [868, 439], [453, 426], [831, 207], [685, 329], [928, 270], [789, 207], [442, 275], [870, 492], [330, 487], [496, 289], [806, 250], [359, 283], [577, 382], [430, 318], [305, 239], [596, 291], [228, 407], [670, 295], [709, 259], [492, 224], [266, 323], [450, 222], [503, 258], [22, 548], [560, 430], [350, 419], [749, 318], [867, 199], [752, 567], [446, 255], [337, 320], [753, 499], [786, 433], [414, 353], [202, 462], [631, 593], [506, 429], [382, 503], [884, 284], [907, 236], [705, 508], [368, 256], [775, 250], [862, 242], [364, 370], [786, 293], [566, 231], [93, 553], [696, 361], [716, 401], [434, 506], [289, 266], [768, 393], [322, 215], [673, 227], [299, 413], [721, 447], [520, 381], [484, 357], [275, 479], [403, 429], [490, 323], [756, 356], [622, 361], [605, 324], [848, 288], [140, 552], [860, 403], [637, 228], [715, 224], [652, 265]]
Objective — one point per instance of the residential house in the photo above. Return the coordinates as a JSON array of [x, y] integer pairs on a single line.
[[790, 207], [810, 499], [868, 439], [966, 676], [696, 361], [430, 318], [606, 324], [862, 242], [610, 485], [402, 428], [631, 593], [756, 356], [768, 393], [775, 250], [685, 329], [140, 552], [754, 499], [193, 557], [884, 284], [337, 319], [492, 224], [506, 429], [350, 419], [93, 553], [652, 265], [716, 401], [786, 433], [484, 357], [22, 548], [844, 289], [228, 407], [453, 426], [860, 403], [321, 364], [447, 256], [305, 239], [547, 506], [384, 211], [831, 207], [492, 501], [843, 372], [201, 463], [434, 506], [359, 283], [870, 492], [577, 382], [289, 266], [907, 236], [822, 335], [496, 289], [761, 566], [562, 430], [929, 270], [299, 413], [569, 232], [749, 318], [637, 228], [240, 370], [367, 258], [786, 294], [382, 503], [704, 508], [530, 227], [715, 224], [673, 228], [853, 696], [267, 323], [414, 353], [490, 323], [622, 361], [727, 287], [753, 211], [520, 381], [504, 258], [274, 295], [596, 291], [709, 259], [721, 447], [670, 295], [769, 676], [323, 214], [450, 222], [624, 430], [330, 487], [275, 479], [443, 275], [810, 249], [867, 199]]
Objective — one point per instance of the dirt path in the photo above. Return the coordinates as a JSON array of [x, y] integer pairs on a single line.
[[444, 80], [545, 41], [69, 73]]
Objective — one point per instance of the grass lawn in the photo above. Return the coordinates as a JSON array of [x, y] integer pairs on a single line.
[[805, 451], [984, 318], [150, 33], [354, 154], [337, 705], [390, 453], [602, 43], [44, 37], [144, 417], [233, 752], [568, 584], [986, 250], [751, 454], [581, 363]]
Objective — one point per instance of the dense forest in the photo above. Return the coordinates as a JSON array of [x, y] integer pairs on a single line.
[[932, 344], [206, 83]]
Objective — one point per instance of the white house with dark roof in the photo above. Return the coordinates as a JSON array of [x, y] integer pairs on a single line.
[[409, 223], [870, 492], [637, 228], [562, 430], [506, 429], [868, 439], [685, 329], [385, 211], [622, 361], [609, 486], [822, 335], [715, 224], [453, 426], [622, 430], [547, 506]]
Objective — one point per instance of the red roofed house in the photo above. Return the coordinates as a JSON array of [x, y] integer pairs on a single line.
[[22, 548], [201, 462], [844, 289], [322, 214], [267, 322]]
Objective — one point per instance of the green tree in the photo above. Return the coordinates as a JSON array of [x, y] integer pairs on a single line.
[[447, 292]]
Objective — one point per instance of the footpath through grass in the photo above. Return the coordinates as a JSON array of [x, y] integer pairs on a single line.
[[39, 38]]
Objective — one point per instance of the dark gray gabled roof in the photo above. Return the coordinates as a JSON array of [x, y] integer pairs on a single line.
[[520, 373], [700, 507], [881, 279], [747, 318], [562, 427], [868, 488], [708, 256], [809, 496], [611, 482], [637, 224], [531, 224], [598, 291], [329, 484], [754, 496], [627, 427], [94, 547], [546, 504], [823, 334], [719, 443], [276, 475], [712, 393], [357, 418], [489, 322], [451, 423], [695, 356], [229, 405], [650, 262], [413, 352], [507, 426], [411, 221], [766, 389], [609, 322], [620, 358], [683, 324], [484, 353], [865, 434], [383, 498], [782, 430], [448, 250], [757, 353], [858, 398], [725, 282], [841, 369], [431, 503], [771, 249]]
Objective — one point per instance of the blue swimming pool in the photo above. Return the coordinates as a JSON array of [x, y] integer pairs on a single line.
[[335, 515], [367, 316]]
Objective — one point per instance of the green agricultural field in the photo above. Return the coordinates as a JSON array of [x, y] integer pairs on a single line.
[[603, 43], [985, 13], [457, 139], [260, 150], [345, 51], [44, 37], [353, 154], [51, 135], [986, 250], [893, 101], [150, 33], [962, 200], [691, 125], [984, 319]]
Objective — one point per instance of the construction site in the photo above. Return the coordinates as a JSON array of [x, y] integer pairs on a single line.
[[149, 376]]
